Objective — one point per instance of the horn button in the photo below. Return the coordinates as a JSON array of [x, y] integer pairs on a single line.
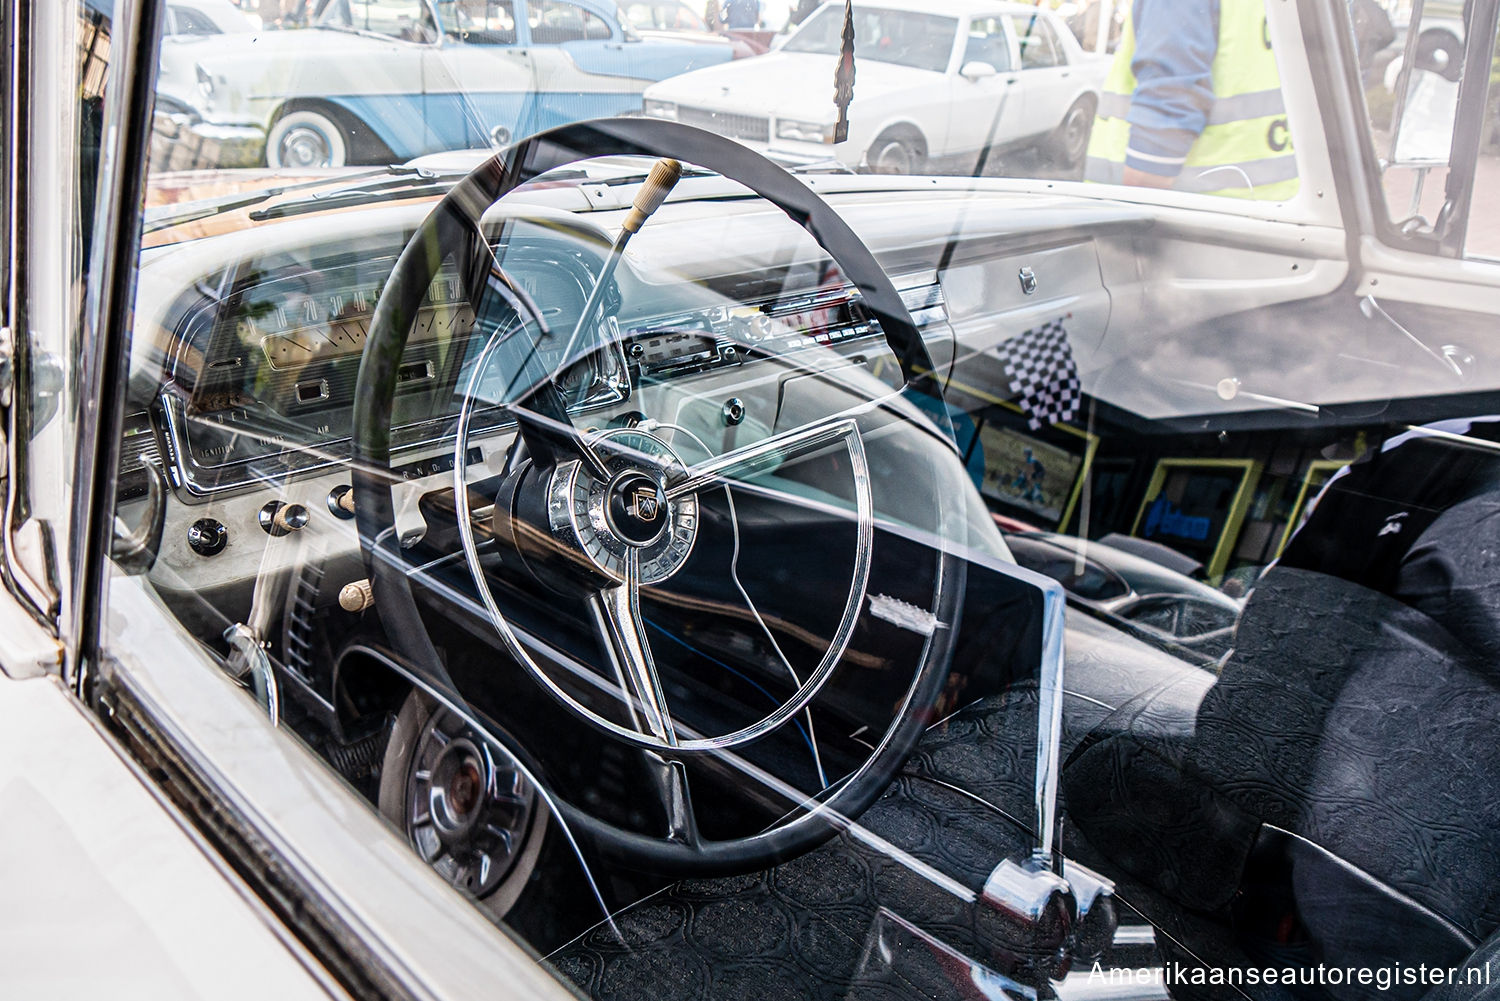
[[636, 508], [604, 518]]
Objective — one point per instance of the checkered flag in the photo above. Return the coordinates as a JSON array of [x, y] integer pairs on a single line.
[[1043, 374]]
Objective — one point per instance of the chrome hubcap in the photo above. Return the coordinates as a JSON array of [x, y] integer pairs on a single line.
[[1077, 129], [894, 159], [469, 806], [304, 147]]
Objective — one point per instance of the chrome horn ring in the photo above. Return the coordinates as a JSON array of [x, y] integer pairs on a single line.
[[572, 498]]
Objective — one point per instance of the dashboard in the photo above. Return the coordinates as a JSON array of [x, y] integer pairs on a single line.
[[260, 380], [247, 352]]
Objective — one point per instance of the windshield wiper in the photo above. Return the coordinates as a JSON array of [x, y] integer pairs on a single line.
[[395, 182], [426, 182], [167, 216], [418, 183]]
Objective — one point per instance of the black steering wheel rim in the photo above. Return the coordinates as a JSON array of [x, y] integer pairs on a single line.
[[454, 222]]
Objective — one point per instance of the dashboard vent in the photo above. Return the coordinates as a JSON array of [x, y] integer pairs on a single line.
[[137, 447], [923, 297], [926, 303], [301, 629]]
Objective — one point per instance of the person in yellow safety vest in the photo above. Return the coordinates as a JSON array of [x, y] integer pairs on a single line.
[[1193, 103]]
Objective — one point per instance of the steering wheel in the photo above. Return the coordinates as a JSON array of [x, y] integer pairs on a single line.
[[608, 516]]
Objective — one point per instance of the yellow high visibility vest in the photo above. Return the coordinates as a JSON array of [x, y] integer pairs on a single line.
[[1246, 149]]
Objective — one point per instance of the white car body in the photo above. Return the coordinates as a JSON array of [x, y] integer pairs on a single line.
[[397, 98], [949, 114]]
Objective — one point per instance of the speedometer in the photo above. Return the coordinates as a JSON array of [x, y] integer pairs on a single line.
[[296, 327]]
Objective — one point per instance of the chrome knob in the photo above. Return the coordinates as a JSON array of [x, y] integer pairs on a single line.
[[280, 519], [341, 501]]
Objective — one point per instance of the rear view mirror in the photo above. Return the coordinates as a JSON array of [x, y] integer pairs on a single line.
[[976, 71]]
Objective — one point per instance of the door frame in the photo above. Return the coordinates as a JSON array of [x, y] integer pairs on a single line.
[[340, 883]]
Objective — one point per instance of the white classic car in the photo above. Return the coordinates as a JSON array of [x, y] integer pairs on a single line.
[[453, 74], [936, 83]]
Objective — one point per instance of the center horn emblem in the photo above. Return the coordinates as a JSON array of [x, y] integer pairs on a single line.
[[645, 503]]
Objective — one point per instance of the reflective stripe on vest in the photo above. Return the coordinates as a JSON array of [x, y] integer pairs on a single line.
[[1257, 174], [1245, 150], [1234, 108]]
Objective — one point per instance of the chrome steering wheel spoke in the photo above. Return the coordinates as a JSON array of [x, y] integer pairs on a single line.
[[743, 463], [682, 822], [618, 615]]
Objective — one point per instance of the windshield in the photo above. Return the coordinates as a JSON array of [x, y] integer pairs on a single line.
[[670, 15], [883, 500], [903, 37]]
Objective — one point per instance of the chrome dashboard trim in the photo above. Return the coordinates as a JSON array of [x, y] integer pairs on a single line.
[[926, 300]]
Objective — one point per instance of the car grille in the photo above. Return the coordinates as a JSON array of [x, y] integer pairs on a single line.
[[751, 127]]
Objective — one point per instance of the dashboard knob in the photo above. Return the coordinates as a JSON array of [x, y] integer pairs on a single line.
[[356, 596], [341, 501], [207, 537], [734, 411], [280, 519]]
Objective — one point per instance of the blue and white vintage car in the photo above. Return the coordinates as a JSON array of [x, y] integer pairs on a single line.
[[452, 74]]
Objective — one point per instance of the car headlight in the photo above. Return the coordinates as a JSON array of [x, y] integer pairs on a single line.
[[807, 132], [661, 109]]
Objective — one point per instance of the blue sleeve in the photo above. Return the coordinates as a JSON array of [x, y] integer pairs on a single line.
[[1175, 45]]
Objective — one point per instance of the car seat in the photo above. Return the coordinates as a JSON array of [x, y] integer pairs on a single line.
[[1334, 799]]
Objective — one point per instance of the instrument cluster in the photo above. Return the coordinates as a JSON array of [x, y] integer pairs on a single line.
[[262, 380]]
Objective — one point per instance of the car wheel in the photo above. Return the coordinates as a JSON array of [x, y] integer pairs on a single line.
[[895, 154], [306, 139], [463, 802], [1069, 142]]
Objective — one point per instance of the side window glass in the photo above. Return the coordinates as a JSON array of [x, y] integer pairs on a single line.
[[480, 22], [1412, 72], [403, 19], [987, 43], [190, 22], [1038, 47], [1481, 237], [554, 22], [657, 16]]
